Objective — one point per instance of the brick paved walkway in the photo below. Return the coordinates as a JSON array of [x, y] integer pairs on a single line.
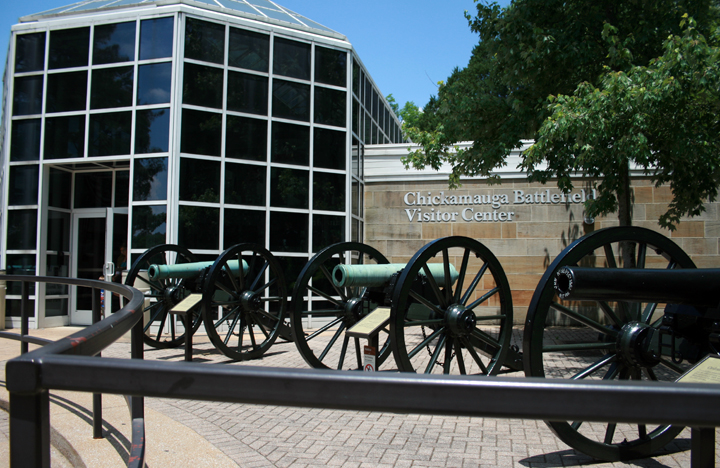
[[268, 436]]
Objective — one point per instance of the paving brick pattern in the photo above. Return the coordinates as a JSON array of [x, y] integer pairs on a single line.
[[270, 436]]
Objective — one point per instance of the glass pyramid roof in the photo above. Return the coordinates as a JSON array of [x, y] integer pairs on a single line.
[[256, 9]]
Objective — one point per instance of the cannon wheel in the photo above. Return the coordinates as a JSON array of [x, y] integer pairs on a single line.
[[163, 294], [602, 347], [339, 308], [242, 314], [464, 328]]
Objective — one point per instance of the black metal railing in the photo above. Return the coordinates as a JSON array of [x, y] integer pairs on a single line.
[[30, 404], [639, 402]]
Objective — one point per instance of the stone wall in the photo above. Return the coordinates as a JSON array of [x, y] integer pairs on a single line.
[[525, 242]]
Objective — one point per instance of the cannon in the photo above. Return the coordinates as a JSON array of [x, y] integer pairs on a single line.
[[631, 306], [244, 297], [450, 308]]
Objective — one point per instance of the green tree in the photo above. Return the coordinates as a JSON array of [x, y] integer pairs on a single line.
[[532, 55]]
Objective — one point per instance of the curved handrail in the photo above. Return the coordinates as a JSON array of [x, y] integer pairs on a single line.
[[23, 372]]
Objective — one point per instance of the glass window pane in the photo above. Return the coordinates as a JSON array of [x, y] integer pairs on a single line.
[[328, 191], [29, 52], [110, 134], [376, 103], [199, 227], [154, 83], [69, 48], [25, 140], [148, 226], [199, 180], [150, 178], [204, 41], [114, 43], [203, 86], [367, 95], [247, 93], [249, 50], [330, 106], [64, 137], [288, 232], [356, 79], [291, 100], [156, 38], [58, 238], [355, 117], [329, 149], [368, 129], [245, 184], [122, 190], [56, 307], [355, 197], [355, 153], [22, 229], [291, 58], [23, 183], [93, 189], [246, 138], [60, 188], [27, 96], [66, 92], [290, 144], [330, 66], [201, 132], [152, 131], [111, 87], [19, 264], [243, 226], [327, 230], [289, 188]]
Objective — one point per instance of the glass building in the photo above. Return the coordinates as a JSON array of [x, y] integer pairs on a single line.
[[127, 124]]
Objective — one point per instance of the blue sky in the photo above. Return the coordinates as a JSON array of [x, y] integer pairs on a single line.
[[407, 46]]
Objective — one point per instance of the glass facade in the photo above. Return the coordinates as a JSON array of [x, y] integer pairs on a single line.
[[207, 130]]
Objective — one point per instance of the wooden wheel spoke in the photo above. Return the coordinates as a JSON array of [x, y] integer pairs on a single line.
[[605, 360], [642, 431], [357, 354], [610, 433], [641, 255], [605, 307], [585, 320], [236, 284], [332, 341], [259, 277], [484, 298], [231, 328], [343, 350], [322, 312], [223, 318], [434, 286], [425, 342], [328, 276], [460, 359], [161, 327], [251, 333], [672, 366], [579, 347], [461, 275], [485, 338], [436, 354], [325, 296], [576, 425], [650, 373], [426, 303], [448, 355], [260, 325], [609, 256], [474, 283], [446, 272], [265, 286], [423, 323], [612, 371], [648, 312], [324, 328], [475, 355]]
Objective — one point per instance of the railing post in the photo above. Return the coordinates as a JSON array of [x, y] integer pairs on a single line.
[[30, 430], [24, 314], [137, 403], [97, 397]]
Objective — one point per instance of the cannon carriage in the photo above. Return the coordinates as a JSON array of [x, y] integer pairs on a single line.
[[449, 310]]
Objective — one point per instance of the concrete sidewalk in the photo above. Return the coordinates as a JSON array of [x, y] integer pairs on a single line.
[[182, 433]]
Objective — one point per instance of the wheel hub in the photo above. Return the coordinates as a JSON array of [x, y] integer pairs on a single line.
[[634, 344], [460, 320], [353, 308], [250, 301]]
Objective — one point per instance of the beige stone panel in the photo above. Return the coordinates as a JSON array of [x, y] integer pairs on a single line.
[[524, 263], [509, 230], [712, 229], [642, 182], [385, 216], [707, 261], [639, 213], [653, 211], [519, 316], [432, 231], [403, 248], [643, 194], [379, 245], [389, 199], [524, 282], [699, 246], [545, 230], [653, 226], [689, 229], [663, 194], [479, 230], [521, 213], [547, 248], [504, 247], [394, 231], [522, 298]]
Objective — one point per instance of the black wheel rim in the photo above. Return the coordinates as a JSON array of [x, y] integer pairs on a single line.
[[462, 328], [243, 313], [162, 330], [322, 312], [601, 328]]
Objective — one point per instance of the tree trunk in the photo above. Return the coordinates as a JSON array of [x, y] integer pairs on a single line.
[[624, 196]]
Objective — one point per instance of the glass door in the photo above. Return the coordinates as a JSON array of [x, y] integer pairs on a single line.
[[99, 242]]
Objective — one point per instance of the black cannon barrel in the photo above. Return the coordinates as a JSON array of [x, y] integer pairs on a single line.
[[697, 287]]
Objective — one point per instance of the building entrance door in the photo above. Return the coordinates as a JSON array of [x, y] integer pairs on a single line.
[[99, 252]]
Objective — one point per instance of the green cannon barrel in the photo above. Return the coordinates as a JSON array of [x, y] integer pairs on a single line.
[[379, 275], [189, 270]]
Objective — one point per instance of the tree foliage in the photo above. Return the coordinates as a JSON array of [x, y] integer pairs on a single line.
[[593, 83]]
